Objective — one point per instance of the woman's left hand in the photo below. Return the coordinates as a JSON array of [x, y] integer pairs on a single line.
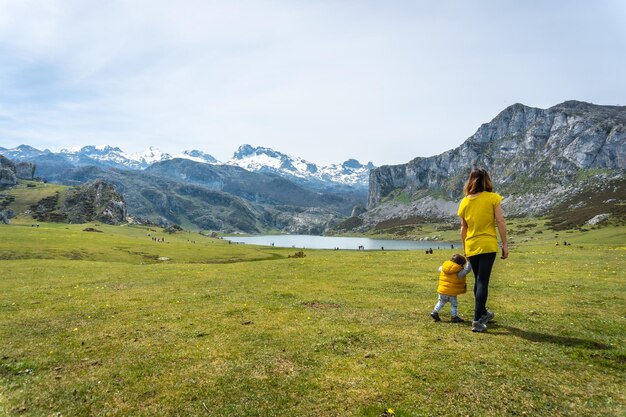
[[505, 251]]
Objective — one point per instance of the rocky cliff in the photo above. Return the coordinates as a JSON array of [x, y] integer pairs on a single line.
[[7, 172], [546, 153], [11, 171], [25, 170], [96, 201]]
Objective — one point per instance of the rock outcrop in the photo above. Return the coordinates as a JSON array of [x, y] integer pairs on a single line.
[[547, 154], [7, 163], [7, 172], [7, 177], [358, 210], [10, 171], [25, 170], [96, 201], [520, 144]]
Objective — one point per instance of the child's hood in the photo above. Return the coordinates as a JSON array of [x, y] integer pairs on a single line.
[[450, 267]]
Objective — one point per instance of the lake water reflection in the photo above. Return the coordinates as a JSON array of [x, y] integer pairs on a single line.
[[330, 242]]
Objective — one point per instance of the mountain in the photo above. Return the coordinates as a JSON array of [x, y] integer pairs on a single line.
[[279, 203], [193, 189], [110, 156], [23, 152], [47, 162], [163, 201], [189, 193], [185, 192], [149, 156], [102, 156], [349, 173], [198, 156], [539, 159], [260, 188]]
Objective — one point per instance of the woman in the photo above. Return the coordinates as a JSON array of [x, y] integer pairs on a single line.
[[480, 212]]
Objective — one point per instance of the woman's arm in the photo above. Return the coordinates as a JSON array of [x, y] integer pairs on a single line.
[[502, 230], [463, 233]]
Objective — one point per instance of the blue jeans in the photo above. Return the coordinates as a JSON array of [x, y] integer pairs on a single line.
[[481, 265], [454, 304]]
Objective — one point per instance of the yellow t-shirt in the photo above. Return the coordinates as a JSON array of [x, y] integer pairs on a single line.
[[478, 212]]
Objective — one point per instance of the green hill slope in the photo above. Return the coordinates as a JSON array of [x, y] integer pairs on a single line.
[[94, 201]]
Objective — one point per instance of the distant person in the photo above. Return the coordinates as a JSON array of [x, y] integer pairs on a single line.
[[451, 283], [480, 212]]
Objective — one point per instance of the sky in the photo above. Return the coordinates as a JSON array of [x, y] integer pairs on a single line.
[[326, 80]]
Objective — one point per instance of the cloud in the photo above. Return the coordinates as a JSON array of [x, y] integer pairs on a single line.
[[324, 80]]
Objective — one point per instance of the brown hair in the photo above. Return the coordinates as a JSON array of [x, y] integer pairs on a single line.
[[478, 181], [458, 259]]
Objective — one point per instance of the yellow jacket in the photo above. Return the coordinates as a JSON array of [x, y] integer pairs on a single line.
[[452, 278]]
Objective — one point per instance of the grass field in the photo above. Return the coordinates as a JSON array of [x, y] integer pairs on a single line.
[[95, 324]]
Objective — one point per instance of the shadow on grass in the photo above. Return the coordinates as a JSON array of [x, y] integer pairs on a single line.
[[271, 257], [549, 338]]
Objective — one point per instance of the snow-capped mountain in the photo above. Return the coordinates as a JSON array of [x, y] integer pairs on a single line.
[[98, 155], [114, 156], [197, 156], [260, 159], [350, 173], [268, 160], [22, 153], [149, 156]]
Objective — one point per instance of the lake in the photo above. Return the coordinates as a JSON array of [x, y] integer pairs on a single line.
[[330, 242]]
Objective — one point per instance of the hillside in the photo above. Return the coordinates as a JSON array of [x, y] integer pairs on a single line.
[[95, 201], [160, 196], [539, 160], [196, 194], [252, 186]]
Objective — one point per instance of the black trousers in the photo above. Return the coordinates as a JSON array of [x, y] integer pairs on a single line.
[[481, 265]]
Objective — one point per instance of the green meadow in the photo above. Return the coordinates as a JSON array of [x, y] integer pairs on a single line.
[[113, 323]]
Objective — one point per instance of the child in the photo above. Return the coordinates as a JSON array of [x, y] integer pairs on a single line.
[[451, 283]]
